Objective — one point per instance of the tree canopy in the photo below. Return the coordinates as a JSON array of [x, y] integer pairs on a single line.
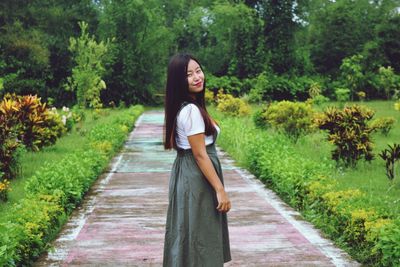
[[230, 37]]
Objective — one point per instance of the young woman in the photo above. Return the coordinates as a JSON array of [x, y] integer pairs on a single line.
[[196, 228]]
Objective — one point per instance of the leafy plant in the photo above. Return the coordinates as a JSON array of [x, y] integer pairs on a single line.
[[352, 73], [39, 126], [9, 129], [314, 90], [388, 81], [361, 95], [209, 97], [4, 188], [319, 100], [259, 118], [232, 106], [390, 156], [342, 94], [291, 118], [349, 131], [384, 124], [86, 75]]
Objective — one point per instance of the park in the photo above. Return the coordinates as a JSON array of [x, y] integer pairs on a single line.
[[306, 93]]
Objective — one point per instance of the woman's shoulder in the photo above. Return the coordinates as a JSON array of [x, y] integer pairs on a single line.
[[190, 107], [189, 110]]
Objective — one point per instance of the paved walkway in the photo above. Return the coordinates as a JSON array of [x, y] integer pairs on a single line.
[[121, 221]]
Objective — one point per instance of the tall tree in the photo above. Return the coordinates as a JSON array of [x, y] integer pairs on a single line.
[[339, 29], [34, 44], [140, 53], [279, 29]]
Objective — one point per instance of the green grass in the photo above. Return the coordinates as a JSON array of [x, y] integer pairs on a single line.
[[369, 177], [32, 161]]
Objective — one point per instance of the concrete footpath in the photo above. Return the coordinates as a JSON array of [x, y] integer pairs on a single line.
[[121, 220]]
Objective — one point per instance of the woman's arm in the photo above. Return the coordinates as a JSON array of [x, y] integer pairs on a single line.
[[197, 143]]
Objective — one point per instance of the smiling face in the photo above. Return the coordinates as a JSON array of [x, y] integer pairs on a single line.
[[195, 77]]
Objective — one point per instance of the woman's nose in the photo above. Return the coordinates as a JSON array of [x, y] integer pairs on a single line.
[[196, 77]]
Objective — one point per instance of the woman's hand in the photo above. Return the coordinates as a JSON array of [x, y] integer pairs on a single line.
[[224, 204]]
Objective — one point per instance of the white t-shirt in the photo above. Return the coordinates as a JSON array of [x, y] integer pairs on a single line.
[[190, 122]]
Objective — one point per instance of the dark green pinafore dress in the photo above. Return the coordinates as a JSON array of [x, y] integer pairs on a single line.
[[196, 232]]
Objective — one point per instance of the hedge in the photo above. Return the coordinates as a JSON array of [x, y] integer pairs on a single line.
[[370, 234], [56, 189]]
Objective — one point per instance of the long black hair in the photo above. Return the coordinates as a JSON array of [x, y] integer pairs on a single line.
[[177, 92]]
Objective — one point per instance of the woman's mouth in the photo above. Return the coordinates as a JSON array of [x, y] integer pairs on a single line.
[[198, 84]]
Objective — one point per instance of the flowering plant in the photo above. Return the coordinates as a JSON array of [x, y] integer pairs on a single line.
[[4, 188]]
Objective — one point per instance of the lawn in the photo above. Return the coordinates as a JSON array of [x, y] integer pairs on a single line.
[[370, 177]]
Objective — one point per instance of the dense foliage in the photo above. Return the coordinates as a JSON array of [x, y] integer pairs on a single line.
[[339, 44], [370, 232], [349, 131]]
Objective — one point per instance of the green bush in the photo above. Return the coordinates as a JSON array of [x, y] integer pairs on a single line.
[[293, 119], [259, 119], [349, 131], [319, 100], [232, 106], [388, 244], [384, 125], [269, 87], [229, 84], [27, 229], [342, 94]]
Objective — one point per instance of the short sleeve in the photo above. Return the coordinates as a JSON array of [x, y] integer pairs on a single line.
[[191, 120]]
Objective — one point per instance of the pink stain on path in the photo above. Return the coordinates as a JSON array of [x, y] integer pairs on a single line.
[[121, 221]]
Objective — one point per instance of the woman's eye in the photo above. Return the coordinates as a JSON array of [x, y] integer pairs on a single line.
[[189, 74]]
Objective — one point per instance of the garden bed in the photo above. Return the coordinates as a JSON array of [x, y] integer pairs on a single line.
[[357, 218], [58, 186]]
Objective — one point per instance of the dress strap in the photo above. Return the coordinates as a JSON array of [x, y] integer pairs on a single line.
[[214, 135]]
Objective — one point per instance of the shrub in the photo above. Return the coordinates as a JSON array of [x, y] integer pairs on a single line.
[[342, 94], [37, 125], [257, 93], [9, 128], [67, 117], [229, 84], [209, 97], [352, 73], [27, 229], [384, 125], [349, 131], [4, 188], [314, 90], [86, 75], [388, 244], [291, 118], [388, 81], [319, 100], [232, 106], [397, 106], [361, 95], [259, 119]]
